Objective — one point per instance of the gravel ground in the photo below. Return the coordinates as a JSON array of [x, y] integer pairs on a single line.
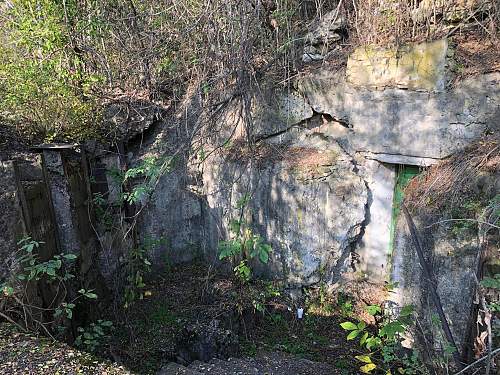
[[25, 354]]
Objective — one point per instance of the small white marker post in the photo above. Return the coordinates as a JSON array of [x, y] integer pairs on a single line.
[[300, 313]]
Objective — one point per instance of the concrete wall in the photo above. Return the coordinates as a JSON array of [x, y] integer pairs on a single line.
[[374, 247]]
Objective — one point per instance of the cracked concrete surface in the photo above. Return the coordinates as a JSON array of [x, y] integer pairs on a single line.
[[320, 215], [404, 122], [312, 211], [296, 208]]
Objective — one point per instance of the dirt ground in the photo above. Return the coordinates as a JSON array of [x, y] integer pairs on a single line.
[[259, 313]]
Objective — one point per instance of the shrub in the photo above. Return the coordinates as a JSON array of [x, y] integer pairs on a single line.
[[46, 89]]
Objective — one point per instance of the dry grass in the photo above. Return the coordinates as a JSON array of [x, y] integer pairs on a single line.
[[475, 55], [264, 153], [398, 22], [448, 183]]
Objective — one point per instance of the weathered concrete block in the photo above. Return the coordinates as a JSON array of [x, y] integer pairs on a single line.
[[417, 67], [408, 123], [374, 247]]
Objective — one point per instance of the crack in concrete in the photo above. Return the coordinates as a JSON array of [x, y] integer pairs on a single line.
[[354, 236]]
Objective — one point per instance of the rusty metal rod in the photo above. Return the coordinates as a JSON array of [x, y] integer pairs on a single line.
[[434, 295]]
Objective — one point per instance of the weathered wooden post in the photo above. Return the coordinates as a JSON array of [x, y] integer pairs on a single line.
[[60, 197]]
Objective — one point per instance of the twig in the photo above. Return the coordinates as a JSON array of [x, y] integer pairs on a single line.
[[487, 322], [447, 220], [464, 21], [10, 320], [492, 355]]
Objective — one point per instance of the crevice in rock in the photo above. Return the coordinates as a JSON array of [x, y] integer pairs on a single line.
[[468, 123], [330, 118], [327, 116], [354, 236], [145, 137], [304, 124], [352, 160], [354, 244], [316, 120], [272, 135]]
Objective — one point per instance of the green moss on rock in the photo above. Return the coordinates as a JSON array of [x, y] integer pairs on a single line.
[[420, 66]]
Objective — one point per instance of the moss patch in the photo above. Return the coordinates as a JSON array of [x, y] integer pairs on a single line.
[[420, 66]]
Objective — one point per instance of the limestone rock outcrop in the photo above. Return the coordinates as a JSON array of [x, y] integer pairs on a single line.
[[308, 203]]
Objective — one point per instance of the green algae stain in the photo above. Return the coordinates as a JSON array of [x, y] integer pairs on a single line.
[[419, 66]]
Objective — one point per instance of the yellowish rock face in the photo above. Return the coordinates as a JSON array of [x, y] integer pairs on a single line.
[[417, 67]]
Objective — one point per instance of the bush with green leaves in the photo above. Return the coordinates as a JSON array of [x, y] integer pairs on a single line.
[[244, 245], [91, 338], [60, 61], [56, 272], [138, 183], [136, 186], [45, 86], [383, 342]]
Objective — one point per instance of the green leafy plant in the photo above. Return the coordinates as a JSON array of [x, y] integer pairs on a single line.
[[91, 337], [33, 269], [244, 244], [55, 271], [383, 342], [492, 283], [136, 183], [137, 267], [66, 308], [143, 178], [345, 305], [102, 214]]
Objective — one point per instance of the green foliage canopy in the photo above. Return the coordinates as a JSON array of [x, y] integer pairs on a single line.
[[45, 88]]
